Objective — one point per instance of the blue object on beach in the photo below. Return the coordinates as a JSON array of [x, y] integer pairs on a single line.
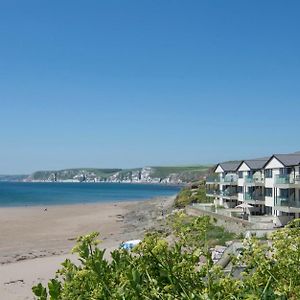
[[130, 244]]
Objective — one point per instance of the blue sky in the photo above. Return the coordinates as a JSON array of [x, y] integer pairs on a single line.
[[134, 83]]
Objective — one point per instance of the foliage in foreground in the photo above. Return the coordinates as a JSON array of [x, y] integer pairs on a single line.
[[182, 269]]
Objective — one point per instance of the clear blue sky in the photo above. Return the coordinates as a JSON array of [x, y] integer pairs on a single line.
[[134, 83]]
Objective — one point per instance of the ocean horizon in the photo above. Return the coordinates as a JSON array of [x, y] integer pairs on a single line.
[[16, 194]]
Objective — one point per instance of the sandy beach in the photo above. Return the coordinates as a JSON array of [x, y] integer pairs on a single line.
[[35, 240]]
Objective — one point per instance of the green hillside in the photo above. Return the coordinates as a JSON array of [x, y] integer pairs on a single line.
[[166, 174], [70, 173]]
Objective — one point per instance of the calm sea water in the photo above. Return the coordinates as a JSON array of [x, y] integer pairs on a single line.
[[25, 194]]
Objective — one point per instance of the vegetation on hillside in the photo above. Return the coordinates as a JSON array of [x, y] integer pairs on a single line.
[[187, 228], [192, 171], [182, 269], [70, 173], [175, 174], [195, 193]]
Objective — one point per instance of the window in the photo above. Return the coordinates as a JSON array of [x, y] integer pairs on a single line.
[[284, 193], [268, 173], [240, 189], [240, 174], [285, 171], [268, 192]]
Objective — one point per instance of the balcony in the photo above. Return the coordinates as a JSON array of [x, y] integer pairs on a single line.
[[225, 194], [287, 204], [252, 180], [212, 193], [229, 180], [254, 198], [287, 179], [229, 194], [212, 180]]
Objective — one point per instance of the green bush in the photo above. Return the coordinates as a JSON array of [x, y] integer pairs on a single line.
[[182, 269], [188, 195]]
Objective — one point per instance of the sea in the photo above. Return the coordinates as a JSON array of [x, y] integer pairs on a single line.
[[51, 193]]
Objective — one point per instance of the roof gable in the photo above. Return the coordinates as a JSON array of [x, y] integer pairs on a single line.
[[286, 160], [219, 169], [273, 163], [229, 166], [243, 167]]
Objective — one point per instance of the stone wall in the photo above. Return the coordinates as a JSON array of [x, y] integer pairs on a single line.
[[231, 224]]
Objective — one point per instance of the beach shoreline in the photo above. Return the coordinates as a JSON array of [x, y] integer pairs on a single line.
[[35, 239]]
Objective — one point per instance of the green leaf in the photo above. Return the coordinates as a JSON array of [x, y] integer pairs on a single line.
[[40, 292]]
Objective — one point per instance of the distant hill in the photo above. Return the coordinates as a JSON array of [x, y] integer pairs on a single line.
[[157, 174], [71, 173]]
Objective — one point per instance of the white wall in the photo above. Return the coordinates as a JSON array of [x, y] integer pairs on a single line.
[[243, 167], [240, 196], [269, 201], [274, 163], [269, 182], [219, 169]]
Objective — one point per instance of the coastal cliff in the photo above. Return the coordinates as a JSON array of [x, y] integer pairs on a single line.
[[168, 175]]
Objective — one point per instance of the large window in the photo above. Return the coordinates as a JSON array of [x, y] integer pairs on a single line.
[[285, 171], [240, 174], [268, 173]]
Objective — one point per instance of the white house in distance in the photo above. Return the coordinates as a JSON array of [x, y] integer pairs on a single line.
[[271, 185]]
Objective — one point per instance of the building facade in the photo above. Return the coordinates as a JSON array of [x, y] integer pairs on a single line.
[[269, 186]]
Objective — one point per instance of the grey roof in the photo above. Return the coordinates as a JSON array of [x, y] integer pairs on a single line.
[[255, 164], [292, 159], [287, 159], [230, 165]]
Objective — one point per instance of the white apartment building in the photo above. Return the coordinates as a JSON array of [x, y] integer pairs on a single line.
[[222, 186], [282, 187], [251, 184], [270, 185]]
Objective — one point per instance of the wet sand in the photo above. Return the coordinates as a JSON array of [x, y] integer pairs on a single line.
[[34, 241]]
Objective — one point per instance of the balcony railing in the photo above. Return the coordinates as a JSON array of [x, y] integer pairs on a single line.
[[254, 180], [254, 196], [212, 192], [287, 201], [226, 193], [215, 179], [287, 179], [229, 179]]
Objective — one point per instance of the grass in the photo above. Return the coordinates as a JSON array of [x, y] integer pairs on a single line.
[[160, 172], [217, 235]]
